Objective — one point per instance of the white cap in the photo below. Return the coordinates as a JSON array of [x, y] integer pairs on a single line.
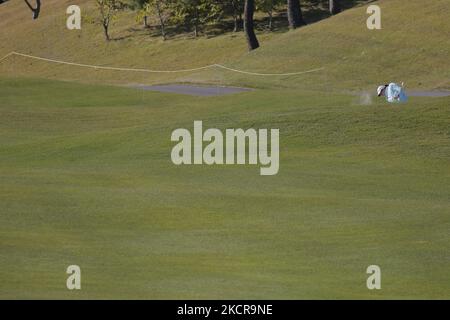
[[380, 89]]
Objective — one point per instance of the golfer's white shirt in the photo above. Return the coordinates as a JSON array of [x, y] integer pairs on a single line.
[[395, 93]]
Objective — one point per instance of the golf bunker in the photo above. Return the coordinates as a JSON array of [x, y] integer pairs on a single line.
[[204, 91], [428, 93]]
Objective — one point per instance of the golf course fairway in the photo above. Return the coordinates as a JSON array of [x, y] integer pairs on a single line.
[[87, 180]]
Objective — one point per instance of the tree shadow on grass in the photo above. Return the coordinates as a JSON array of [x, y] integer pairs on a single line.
[[313, 11]]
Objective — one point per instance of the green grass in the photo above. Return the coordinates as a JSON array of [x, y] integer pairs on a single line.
[[87, 180]]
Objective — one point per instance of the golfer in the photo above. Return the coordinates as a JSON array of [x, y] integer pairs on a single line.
[[393, 92]]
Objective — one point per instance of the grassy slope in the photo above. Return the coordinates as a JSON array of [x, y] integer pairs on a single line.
[[412, 47], [87, 179]]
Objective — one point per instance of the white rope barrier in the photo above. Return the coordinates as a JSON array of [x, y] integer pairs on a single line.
[[155, 71], [7, 56], [267, 74]]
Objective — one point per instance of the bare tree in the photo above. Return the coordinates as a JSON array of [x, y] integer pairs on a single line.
[[249, 28], [294, 13], [36, 10], [108, 10]]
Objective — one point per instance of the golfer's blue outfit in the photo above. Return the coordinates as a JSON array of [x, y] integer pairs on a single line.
[[395, 93]]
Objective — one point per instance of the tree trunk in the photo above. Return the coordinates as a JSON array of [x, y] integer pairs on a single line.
[[161, 20], [270, 20], [237, 14], [163, 29], [335, 6], [295, 16], [146, 21], [196, 30], [236, 23], [106, 32], [249, 9], [196, 23], [36, 10]]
